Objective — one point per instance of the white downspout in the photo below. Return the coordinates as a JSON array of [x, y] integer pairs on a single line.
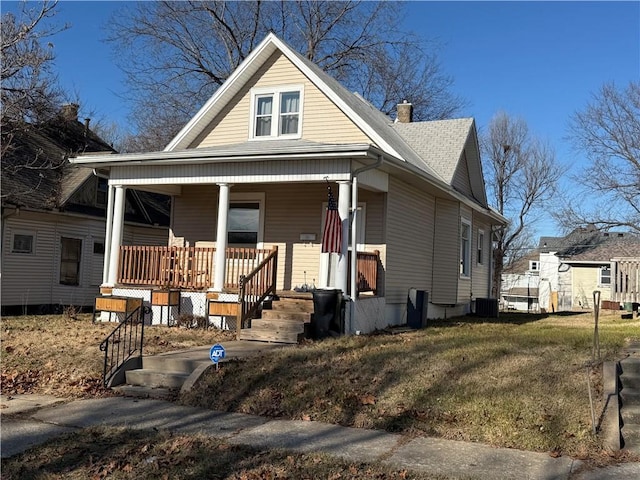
[[354, 237]]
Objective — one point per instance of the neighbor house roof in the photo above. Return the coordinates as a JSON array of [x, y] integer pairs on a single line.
[[590, 245], [36, 173]]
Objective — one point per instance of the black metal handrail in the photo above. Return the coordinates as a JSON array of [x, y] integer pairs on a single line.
[[121, 344]]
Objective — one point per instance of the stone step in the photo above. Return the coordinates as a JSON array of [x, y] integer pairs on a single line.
[[155, 378], [140, 391], [277, 325], [269, 336], [291, 315], [629, 396], [630, 380], [170, 364], [630, 414], [630, 365], [631, 437]]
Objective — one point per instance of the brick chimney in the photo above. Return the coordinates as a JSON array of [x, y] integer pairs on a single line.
[[405, 112], [69, 111]]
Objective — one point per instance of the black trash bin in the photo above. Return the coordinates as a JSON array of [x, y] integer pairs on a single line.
[[327, 312]]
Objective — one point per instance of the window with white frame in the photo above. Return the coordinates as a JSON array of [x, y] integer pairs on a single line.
[[70, 257], [480, 246], [23, 242], [101, 192], [245, 220], [465, 248], [534, 265], [276, 112], [605, 275]]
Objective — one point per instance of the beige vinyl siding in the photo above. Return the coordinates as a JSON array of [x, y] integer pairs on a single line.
[[322, 121], [464, 283], [409, 240], [584, 280], [194, 215], [290, 210], [461, 181], [446, 252], [480, 286]]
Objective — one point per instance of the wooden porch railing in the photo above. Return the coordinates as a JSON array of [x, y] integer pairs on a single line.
[[184, 267], [255, 287], [367, 276]]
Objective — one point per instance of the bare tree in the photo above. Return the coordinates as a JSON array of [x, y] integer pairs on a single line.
[[29, 92], [521, 176], [608, 132], [176, 54]]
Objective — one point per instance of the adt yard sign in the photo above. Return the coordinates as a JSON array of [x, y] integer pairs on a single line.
[[216, 353]]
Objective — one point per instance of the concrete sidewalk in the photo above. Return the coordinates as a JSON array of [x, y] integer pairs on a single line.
[[30, 420]]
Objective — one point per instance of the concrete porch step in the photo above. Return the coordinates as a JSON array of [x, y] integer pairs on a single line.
[[630, 365], [141, 391], [629, 396], [168, 363], [630, 414], [631, 437], [630, 380], [156, 378]]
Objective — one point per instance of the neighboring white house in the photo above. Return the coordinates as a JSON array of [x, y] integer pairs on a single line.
[[54, 218]]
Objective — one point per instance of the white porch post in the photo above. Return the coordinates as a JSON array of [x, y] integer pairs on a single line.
[[344, 200], [116, 235], [107, 236], [221, 238]]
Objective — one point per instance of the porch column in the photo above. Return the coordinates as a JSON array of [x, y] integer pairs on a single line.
[[221, 238], [107, 236], [344, 200], [116, 234]]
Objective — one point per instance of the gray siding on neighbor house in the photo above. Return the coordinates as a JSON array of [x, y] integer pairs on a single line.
[[446, 252], [34, 279], [409, 235]]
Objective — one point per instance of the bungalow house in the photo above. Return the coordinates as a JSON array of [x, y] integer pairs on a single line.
[[249, 175], [53, 217], [586, 260]]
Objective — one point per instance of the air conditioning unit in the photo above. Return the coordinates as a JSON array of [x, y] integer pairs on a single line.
[[417, 303], [487, 307]]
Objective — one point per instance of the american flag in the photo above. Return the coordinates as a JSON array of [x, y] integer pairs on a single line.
[[332, 235]]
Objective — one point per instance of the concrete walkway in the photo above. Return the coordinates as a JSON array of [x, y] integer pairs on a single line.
[[30, 420]]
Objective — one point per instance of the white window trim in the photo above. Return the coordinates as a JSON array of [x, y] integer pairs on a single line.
[[464, 221], [30, 233], [253, 197], [531, 264], [275, 111], [600, 270], [480, 247]]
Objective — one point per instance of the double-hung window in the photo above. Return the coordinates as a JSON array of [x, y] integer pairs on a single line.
[[605, 275], [480, 258], [277, 112], [465, 248]]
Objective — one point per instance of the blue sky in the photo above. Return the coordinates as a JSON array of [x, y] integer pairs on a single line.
[[538, 60]]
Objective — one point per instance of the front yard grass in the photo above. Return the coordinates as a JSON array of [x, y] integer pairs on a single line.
[[520, 381]]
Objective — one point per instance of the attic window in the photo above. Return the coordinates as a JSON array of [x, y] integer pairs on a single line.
[[534, 265], [276, 112]]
